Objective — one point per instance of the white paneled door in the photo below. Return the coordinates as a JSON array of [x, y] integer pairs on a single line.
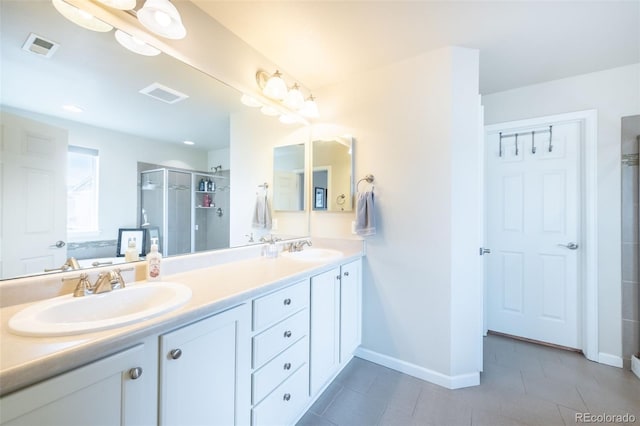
[[533, 231], [33, 164]]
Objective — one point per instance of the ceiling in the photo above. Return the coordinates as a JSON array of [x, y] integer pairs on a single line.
[[520, 42]]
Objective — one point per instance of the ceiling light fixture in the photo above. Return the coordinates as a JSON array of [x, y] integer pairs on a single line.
[[80, 17], [120, 4], [162, 17], [310, 108], [135, 45]]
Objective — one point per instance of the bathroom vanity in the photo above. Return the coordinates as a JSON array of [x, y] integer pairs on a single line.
[[257, 343]]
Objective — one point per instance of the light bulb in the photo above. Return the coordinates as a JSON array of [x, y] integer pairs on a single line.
[[275, 88], [294, 99], [310, 108], [162, 17]]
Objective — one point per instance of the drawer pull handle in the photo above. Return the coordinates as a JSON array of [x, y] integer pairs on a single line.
[[287, 302], [175, 353], [287, 396], [287, 333], [287, 366], [135, 373], [346, 274]]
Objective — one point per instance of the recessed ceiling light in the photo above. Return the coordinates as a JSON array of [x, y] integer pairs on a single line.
[[72, 108], [189, 142]]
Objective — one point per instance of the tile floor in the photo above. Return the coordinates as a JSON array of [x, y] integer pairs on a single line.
[[522, 384]]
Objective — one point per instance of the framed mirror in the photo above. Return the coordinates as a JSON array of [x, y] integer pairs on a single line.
[[332, 180], [288, 178], [125, 115]]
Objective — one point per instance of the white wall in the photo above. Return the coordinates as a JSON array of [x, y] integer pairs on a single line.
[[615, 93], [415, 124]]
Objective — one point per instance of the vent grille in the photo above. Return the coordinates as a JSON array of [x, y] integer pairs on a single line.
[[163, 93], [40, 46]]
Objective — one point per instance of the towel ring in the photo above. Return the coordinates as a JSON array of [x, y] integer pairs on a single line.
[[368, 178]]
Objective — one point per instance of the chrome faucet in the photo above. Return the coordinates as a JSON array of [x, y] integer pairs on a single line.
[[298, 245], [71, 263]]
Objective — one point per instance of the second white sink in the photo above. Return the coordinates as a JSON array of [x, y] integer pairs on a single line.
[[68, 315], [314, 255]]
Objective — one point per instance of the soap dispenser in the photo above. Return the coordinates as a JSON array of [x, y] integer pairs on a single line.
[[131, 254], [154, 258]]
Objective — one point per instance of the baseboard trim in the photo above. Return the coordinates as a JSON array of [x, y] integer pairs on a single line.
[[608, 359], [449, 382], [635, 366]]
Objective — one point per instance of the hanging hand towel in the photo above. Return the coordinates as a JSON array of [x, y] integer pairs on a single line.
[[365, 215], [262, 213]]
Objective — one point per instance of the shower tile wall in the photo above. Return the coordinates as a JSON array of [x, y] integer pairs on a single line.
[[630, 240]]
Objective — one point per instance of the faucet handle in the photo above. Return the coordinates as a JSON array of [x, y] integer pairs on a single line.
[[83, 287], [115, 277]]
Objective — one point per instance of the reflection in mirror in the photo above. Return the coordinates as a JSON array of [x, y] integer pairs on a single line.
[[288, 178], [332, 181], [72, 177]]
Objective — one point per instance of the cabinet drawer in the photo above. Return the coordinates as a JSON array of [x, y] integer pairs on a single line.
[[285, 403], [278, 369], [276, 306], [274, 340]]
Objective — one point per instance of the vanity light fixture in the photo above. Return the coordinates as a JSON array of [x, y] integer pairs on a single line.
[[120, 4], [135, 45], [274, 87], [80, 17], [162, 17]]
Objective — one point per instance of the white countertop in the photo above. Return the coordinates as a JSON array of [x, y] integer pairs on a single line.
[[28, 360]]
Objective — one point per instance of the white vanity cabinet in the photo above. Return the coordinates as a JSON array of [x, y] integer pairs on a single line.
[[112, 391], [335, 321], [280, 377], [205, 371]]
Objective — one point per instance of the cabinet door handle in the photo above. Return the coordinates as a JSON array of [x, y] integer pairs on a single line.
[[287, 366], [287, 333], [135, 373], [287, 396], [175, 353], [346, 274], [287, 301]]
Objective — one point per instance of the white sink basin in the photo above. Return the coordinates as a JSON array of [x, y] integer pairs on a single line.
[[68, 315], [314, 255]]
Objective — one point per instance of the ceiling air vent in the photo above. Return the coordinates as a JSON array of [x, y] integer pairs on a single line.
[[40, 46], [163, 93]]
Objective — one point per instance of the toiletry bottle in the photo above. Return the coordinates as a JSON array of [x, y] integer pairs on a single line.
[[154, 258], [201, 185], [209, 185], [131, 254]]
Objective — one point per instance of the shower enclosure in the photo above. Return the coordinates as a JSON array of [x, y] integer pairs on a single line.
[[188, 218], [630, 240], [165, 198]]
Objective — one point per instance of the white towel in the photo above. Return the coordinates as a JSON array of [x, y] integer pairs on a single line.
[[262, 213], [365, 214]]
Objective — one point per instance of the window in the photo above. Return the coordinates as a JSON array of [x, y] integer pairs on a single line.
[[82, 190]]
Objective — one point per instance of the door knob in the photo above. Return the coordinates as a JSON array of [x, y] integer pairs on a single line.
[[58, 244], [570, 246], [484, 251]]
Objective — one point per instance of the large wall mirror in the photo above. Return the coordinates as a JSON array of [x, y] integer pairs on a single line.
[[115, 158], [332, 180]]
